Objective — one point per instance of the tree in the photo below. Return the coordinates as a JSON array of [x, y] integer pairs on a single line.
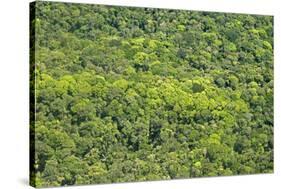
[[134, 94]]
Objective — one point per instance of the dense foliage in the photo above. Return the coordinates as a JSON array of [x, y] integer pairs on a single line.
[[133, 94]]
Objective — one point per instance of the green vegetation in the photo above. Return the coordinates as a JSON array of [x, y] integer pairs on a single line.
[[133, 94]]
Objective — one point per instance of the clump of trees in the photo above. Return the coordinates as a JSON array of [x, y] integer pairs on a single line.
[[134, 94]]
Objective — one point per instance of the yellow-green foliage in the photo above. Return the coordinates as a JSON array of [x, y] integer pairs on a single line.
[[132, 94]]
